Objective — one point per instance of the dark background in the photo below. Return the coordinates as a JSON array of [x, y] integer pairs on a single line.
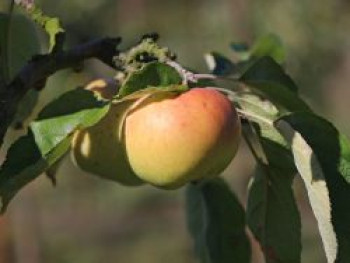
[[85, 219]]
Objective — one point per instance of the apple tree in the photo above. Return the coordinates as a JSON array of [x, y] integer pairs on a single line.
[[158, 122]]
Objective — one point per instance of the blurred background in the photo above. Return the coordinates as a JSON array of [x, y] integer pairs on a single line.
[[86, 219]]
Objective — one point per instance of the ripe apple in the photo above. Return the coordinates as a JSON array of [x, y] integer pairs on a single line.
[[182, 138], [100, 151]]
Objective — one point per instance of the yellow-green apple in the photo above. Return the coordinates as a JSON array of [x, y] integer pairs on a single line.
[[99, 149], [171, 141]]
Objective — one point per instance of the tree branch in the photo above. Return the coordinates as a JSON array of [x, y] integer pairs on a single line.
[[41, 67]]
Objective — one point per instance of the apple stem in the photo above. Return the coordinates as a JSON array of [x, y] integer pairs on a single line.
[[189, 76]]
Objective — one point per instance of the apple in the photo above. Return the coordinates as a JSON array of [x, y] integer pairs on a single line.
[[99, 150], [188, 137], [167, 140]]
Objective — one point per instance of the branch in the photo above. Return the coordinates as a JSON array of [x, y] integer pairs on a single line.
[[35, 73]]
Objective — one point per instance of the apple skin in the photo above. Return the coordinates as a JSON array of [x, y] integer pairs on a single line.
[[99, 150], [183, 138]]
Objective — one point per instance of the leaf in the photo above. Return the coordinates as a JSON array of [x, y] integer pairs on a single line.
[[75, 109], [51, 25], [220, 65], [272, 213], [268, 140], [22, 42], [23, 164], [52, 28], [153, 74], [268, 79], [263, 113], [51, 171], [267, 70], [17, 46], [216, 221], [273, 216], [269, 45], [322, 157], [48, 139], [4, 67], [25, 108], [241, 49], [153, 91]]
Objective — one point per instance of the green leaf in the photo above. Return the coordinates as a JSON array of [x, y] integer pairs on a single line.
[[273, 216], [51, 25], [266, 78], [241, 49], [52, 28], [220, 65], [267, 70], [149, 91], [17, 46], [322, 157], [261, 112], [25, 108], [154, 74], [268, 142], [21, 43], [51, 171], [216, 221], [268, 45], [23, 164], [75, 109], [272, 213], [4, 50], [48, 139]]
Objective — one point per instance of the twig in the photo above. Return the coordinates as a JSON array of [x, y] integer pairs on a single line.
[[43, 66], [187, 75]]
